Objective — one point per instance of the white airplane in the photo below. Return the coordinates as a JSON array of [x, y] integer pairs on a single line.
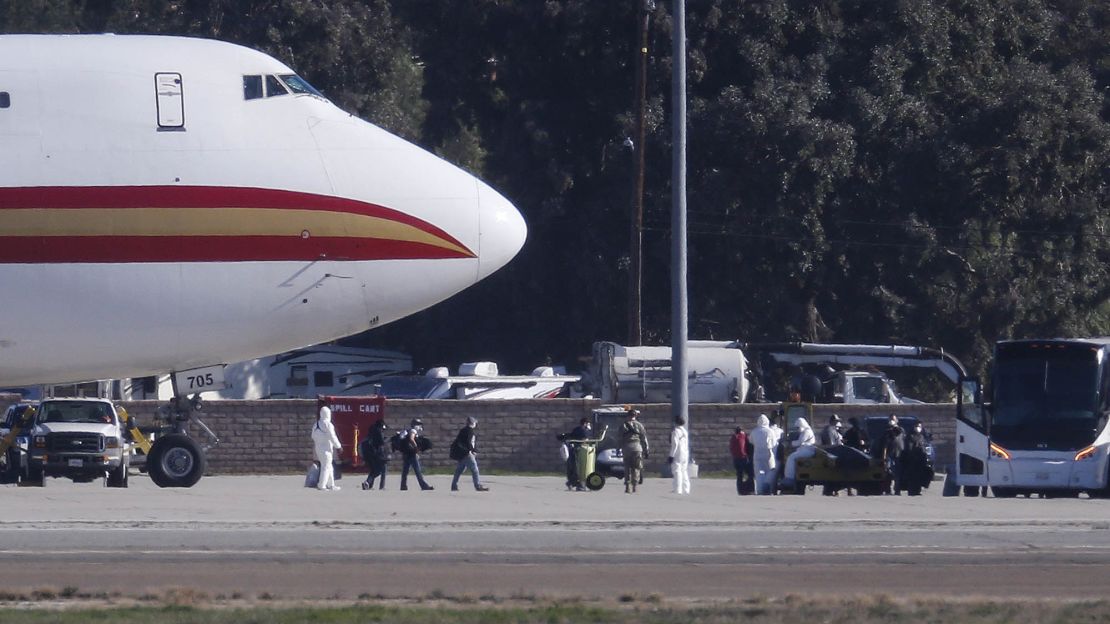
[[170, 203]]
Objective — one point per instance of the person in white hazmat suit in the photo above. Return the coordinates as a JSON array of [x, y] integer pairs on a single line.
[[763, 440], [326, 443], [806, 445], [679, 457]]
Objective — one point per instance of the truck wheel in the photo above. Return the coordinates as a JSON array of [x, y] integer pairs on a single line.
[[595, 481], [10, 471], [118, 477], [971, 490], [34, 478], [176, 460]]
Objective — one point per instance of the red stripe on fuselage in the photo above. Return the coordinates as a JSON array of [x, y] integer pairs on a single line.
[[47, 249], [103, 249]]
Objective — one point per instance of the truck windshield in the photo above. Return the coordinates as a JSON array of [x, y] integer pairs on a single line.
[[75, 412], [1046, 400]]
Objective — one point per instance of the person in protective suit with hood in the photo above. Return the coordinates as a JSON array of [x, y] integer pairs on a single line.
[[763, 441], [325, 444], [806, 445], [679, 458], [634, 448]]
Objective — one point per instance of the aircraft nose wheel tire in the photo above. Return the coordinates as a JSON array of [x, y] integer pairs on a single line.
[[175, 460], [595, 481]]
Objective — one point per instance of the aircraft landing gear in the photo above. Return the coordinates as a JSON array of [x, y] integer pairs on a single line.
[[175, 459]]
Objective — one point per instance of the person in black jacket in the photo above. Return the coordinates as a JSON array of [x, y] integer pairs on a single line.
[[856, 436], [917, 471], [411, 445], [375, 452], [463, 451], [889, 449], [582, 432]]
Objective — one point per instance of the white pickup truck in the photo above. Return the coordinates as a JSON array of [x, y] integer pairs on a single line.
[[80, 439]]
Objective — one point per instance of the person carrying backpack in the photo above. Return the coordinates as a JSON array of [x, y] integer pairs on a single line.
[[411, 444], [375, 451], [463, 451]]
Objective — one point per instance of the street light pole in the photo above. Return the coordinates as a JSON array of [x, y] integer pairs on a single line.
[[636, 242], [680, 399]]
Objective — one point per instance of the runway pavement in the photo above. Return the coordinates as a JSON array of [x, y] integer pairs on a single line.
[[529, 537]]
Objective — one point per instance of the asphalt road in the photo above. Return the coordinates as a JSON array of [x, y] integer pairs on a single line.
[[528, 537]]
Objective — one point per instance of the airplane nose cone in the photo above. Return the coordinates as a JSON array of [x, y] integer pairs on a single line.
[[501, 231]]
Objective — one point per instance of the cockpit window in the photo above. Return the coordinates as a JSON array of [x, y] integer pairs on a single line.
[[274, 87], [252, 87], [299, 85]]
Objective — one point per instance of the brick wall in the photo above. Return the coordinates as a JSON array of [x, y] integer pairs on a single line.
[[518, 435]]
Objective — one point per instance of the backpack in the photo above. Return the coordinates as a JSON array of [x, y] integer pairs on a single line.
[[456, 453]]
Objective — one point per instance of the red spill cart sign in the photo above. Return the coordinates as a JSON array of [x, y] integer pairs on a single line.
[[352, 416]]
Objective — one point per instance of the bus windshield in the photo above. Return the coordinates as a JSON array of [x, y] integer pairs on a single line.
[[1046, 399]]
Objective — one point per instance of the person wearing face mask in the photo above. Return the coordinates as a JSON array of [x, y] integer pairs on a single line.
[[325, 444], [763, 440], [806, 446], [889, 449], [917, 472]]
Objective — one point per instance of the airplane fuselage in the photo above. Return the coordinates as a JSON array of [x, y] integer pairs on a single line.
[[169, 203]]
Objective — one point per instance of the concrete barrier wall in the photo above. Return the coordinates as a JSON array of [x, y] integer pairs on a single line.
[[519, 435]]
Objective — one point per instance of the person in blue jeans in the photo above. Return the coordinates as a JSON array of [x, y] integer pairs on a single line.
[[463, 450], [411, 446]]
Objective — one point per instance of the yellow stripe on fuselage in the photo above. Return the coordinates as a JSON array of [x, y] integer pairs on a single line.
[[46, 222]]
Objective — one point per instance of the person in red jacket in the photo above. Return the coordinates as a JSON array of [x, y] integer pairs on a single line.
[[741, 460]]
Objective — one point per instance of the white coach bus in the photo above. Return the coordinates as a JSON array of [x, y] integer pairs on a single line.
[[1041, 428]]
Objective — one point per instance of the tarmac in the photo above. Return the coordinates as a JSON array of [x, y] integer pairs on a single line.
[[530, 537]]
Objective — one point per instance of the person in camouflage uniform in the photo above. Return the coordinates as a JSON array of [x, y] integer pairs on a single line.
[[634, 448]]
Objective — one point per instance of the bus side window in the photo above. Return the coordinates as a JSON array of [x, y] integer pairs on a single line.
[[252, 87], [971, 409], [1105, 389]]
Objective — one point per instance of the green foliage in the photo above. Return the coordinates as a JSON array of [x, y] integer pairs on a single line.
[[930, 172]]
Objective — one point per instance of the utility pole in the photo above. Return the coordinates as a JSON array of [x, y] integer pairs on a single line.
[[636, 239], [680, 399]]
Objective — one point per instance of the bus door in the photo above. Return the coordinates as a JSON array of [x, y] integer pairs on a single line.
[[972, 436]]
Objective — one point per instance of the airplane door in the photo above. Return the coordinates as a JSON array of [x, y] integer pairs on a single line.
[[20, 135], [972, 436], [170, 97]]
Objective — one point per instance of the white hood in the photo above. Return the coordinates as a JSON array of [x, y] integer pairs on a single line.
[[108, 430]]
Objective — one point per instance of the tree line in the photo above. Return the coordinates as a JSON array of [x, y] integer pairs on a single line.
[[931, 172]]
